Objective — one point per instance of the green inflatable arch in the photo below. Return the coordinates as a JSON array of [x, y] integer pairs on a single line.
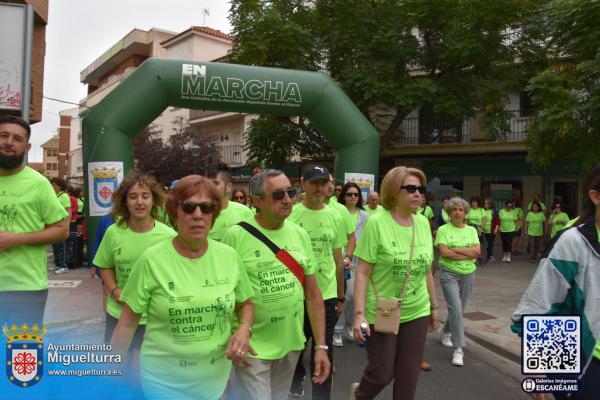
[[108, 128]]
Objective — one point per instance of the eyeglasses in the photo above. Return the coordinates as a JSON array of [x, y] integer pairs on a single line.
[[279, 194], [351, 194], [414, 188], [337, 190], [189, 207]]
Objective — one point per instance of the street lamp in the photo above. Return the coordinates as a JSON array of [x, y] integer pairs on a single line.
[[195, 149]]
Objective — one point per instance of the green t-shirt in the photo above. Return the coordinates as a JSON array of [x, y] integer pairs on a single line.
[[508, 220], [79, 206], [120, 249], [476, 216], [278, 296], [386, 246], [233, 214], [64, 200], [372, 211], [542, 206], [27, 204], [535, 223], [427, 212], [355, 218], [190, 306], [555, 226], [348, 225], [324, 229], [445, 216], [453, 237], [520, 215], [489, 215]]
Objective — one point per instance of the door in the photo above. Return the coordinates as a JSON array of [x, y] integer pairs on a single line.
[[566, 192]]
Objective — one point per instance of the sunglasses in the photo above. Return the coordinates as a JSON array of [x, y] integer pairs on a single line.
[[238, 197], [349, 194], [337, 190], [279, 194], [189, 207], [414, 188]]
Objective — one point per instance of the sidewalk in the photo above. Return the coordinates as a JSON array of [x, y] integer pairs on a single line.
[[76, 297]]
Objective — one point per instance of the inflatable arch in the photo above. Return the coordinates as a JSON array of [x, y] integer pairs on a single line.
[[109, 127]]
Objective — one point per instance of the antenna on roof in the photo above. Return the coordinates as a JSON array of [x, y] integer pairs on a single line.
[[205, 13]]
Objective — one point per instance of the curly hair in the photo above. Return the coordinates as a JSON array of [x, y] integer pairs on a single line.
[[120, 212]]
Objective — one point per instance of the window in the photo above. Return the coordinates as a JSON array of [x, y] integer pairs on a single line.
[[49, 167], [526, 105]]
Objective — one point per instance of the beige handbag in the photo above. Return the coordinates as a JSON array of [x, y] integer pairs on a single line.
[[387, 315]]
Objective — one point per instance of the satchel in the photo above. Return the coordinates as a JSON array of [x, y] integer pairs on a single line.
[[387, 315]]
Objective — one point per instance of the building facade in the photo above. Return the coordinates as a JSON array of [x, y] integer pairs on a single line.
[[51, 157]]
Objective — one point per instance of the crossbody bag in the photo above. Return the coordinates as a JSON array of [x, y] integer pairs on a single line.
[[282, 254], [387, 315]]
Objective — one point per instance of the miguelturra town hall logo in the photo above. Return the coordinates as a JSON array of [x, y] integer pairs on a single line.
[[24, 354]]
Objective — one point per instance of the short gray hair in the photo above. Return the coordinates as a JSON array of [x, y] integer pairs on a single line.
[[457, 201], [256, 187]]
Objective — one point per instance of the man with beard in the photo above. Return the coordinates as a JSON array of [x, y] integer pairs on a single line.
[[36, 220]]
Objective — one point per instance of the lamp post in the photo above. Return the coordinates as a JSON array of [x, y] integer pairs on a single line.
[[195, 149]]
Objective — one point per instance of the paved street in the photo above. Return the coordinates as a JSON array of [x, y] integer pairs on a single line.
[[492, 353]]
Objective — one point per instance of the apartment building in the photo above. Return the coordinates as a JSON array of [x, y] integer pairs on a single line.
[[50, 158]]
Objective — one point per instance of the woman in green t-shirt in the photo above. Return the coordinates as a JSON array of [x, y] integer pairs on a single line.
[[191, 289], [489, 230], [383, 267], [459, 248], [557, 220], [476, 217], [351, 197], [535, 226], [508, 225]]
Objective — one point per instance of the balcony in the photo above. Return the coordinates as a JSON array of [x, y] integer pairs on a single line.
[[503, 126], [231, 154]]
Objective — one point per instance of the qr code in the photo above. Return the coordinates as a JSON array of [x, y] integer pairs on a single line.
[[551, 344]]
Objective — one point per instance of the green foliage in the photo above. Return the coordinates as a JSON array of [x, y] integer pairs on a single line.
[[567, 93], [449, 56], [176, 158]]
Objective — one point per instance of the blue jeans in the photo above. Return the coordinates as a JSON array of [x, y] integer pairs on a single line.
[[59, 249]]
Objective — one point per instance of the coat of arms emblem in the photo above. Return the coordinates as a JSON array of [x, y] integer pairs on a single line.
[[24, 354]]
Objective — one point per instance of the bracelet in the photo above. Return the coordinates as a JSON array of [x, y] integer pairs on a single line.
[[434, 306], [322, 347], [247, 325]]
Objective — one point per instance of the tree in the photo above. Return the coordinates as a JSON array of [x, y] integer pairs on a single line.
[[177, 158], [448, 57], [567, 93]]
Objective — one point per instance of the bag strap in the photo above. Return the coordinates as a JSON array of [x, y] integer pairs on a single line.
[[410, 258], [282, 254]]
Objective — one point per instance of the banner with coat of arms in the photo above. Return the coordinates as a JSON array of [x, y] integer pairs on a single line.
[[24, 354], [103, 180]]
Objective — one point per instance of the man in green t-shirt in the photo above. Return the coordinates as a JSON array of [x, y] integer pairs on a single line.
[[537, 198], [326, 232], [30, 218], [231, 212], [373, 206], [60, 248], [279, 297]]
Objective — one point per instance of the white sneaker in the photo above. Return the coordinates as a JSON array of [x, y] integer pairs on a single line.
[[508, 258], [504, 258], [349, 335], [61, 271], [457, 357], [337, 340], [353, 388], [447, 339]]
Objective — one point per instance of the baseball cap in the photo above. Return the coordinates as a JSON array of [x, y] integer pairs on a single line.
[[316, 173]]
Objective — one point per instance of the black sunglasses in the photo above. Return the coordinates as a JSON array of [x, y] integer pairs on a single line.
[[189, 207], [350, 194], [238, 197], [414, 188], [279, 194]]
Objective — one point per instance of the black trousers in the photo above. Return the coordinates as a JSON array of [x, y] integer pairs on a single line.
[[507, 238], [322, 391], [489, 239]]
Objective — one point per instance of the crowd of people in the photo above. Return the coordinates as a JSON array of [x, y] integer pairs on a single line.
[[206, 296]]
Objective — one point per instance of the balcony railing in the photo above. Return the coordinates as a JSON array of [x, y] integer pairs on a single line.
[[231, 154], [507, 125], [428, 130]]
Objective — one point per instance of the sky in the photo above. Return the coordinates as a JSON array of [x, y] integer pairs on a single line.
[[79, 31]]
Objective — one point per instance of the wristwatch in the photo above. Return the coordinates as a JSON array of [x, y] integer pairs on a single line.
[[322, 347]]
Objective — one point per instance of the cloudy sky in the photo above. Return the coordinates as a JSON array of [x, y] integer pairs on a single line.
[[79, 31]]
